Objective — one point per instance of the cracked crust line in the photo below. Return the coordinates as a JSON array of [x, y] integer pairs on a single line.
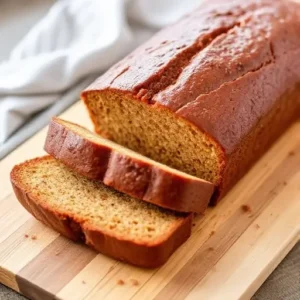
[[148, 92], [144, 90], [272, 50], [273, 61], [121, 73], [243, 19], [226, 83]]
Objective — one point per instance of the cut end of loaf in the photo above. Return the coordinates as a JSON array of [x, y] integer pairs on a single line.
[[154, 132], [92, 204]]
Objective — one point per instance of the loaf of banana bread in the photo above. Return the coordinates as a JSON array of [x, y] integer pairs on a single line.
[[208, 95]]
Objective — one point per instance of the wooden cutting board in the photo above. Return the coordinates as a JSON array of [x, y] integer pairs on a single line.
[[232, 250]]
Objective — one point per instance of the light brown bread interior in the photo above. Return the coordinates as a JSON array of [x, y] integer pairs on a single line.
[[93, 204], [156, 133]]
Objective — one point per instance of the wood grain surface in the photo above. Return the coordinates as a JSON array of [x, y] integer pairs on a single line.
[[232, 250]]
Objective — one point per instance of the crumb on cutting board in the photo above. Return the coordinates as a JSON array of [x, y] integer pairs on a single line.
[[120, 282], [134, 282], [33, 237], [26, 236], [291, 153], [212, 233], [246, 208], [83, 282]]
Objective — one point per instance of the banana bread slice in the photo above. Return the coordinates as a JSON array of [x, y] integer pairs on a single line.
[[88, 211], [125, 170]]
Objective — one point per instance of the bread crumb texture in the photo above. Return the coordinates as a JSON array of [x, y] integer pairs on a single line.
[[92, 203], [155, 133]]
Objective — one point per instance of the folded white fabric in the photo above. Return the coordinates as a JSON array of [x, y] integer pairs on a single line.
[[75, 39]]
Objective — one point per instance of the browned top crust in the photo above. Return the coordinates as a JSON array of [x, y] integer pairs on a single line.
[[202, 67]]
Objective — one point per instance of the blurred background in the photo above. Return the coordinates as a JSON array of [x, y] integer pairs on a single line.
[[17, 18]]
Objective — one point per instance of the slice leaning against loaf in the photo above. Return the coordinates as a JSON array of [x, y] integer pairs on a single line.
[[125, 170], [109, 221]]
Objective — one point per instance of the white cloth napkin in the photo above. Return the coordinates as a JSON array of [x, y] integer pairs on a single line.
[[75, 39]]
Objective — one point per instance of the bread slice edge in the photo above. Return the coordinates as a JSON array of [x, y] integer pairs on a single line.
[[125, 171], [136, 253]]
